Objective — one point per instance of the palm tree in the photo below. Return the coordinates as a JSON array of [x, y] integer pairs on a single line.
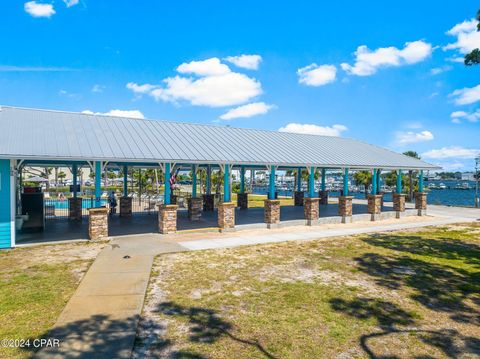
[[363, 178], [410, 174]]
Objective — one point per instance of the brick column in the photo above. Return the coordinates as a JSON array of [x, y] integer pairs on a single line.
[[75, 208], [421, 203], [242, 200], [311, 210], [208, 202], [272, 212], [399, 203], [323, 195], [98, 223], [226, 216], [375, 206], [298, 199], [195, 207], [125, 206], [345, 205], [167, 218]]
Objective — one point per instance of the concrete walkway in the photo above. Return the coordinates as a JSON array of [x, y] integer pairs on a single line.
[[101, 318]]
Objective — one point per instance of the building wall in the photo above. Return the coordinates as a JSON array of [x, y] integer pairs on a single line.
[[5, 205]]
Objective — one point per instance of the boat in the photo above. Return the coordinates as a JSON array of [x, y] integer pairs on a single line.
[[442, 186], [463, 186]]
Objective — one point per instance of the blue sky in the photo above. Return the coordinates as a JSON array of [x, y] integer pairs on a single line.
[[386, 75]]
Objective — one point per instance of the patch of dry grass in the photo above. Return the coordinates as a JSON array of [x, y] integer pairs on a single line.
[[405, 294], [35, 285]]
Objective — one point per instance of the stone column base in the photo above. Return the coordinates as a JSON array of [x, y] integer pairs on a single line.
[[195, 206], [167, 218], [298, 198], [75, 209], [242, 200], [125, 206], [311, 210], [98, 223], [272, 212], [226, 216], [208, 202], [323, 195], [345, 205], [375, 206], [399, 203], [421, 203]]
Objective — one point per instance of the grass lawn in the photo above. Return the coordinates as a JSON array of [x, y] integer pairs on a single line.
[[256, 200], [35, 285], [409, 294]]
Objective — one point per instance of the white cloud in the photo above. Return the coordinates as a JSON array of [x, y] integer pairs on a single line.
[[71, 3], [215, 86], [39, 10], [315, 75], [245, 111], [404, 138], [452, 152], [367, 62], [468, 38], [97, 88], [469, 116], [140, 89], [439, 70], [335, 130], [209, 67], [250, 62], [118, 113], [466, 95]]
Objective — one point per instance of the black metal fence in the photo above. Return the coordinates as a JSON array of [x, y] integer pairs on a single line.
[[57, 208]]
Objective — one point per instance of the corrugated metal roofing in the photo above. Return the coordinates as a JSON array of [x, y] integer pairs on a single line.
[[55, 135]]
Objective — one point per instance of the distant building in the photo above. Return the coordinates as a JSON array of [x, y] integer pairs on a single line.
[[468, 176]]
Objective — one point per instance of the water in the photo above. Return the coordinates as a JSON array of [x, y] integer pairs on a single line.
[[448, 197], [86, 203]]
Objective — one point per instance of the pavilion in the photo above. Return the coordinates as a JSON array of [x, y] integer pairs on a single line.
[[33, 137]]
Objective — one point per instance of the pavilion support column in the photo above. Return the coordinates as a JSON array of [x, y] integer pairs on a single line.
[[311, 205], [167, 213], [311, 211], [374, 199], [379, 187], [195, 204], [399, 197], [208, 197], [345, 202], [271, 205], [421, 197], [75, 203], [226, 209], [125, 201], [299, 195], [323, 194], [242, 196], [98, 223], [98, 183]]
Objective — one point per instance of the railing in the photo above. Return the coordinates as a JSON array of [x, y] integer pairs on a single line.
[[58, 208]]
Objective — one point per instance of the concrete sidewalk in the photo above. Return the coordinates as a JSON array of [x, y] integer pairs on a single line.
[[101, 318]]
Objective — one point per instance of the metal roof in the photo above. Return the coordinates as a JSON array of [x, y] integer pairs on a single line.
[[55, 135]]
